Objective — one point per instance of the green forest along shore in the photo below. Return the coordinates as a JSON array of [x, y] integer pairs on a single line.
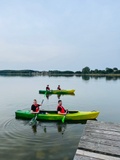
[[85, 71]]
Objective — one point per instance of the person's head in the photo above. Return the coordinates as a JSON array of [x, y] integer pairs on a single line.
[[35, 101], [58, 85], [60, 102], [47, 85]]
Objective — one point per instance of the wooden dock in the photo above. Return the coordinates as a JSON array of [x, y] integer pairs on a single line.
[[100, 141]]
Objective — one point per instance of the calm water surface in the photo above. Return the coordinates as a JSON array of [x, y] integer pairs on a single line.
[[53, 141]]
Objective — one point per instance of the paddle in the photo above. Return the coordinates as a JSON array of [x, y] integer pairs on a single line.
[[33, 121], [63, 119], [44, 97]]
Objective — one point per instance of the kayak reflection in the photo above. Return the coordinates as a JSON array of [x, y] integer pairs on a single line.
[[59, 95], [48, 95], [61, 127], [35, 126], [45, 127], [48, 127]]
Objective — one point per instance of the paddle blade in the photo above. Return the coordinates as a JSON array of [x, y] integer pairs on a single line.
[[42, 101], [63, 119], [33, 121], [45, 93]]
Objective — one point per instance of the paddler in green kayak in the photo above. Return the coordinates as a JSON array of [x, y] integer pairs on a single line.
[[61, 109], [47, 88], [58, 88], [35, 108]]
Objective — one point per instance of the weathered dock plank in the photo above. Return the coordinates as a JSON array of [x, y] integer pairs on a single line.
[[101, 139], [86, 155], [98, 135], [103, 126], [105, 145], [99, 148]]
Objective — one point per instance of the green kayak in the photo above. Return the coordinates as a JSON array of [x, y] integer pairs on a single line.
[[57, 91], [53, 116]]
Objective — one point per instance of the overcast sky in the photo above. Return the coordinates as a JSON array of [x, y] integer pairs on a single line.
[[59, 34]]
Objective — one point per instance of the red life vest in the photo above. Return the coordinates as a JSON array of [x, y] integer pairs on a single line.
[[47, 88], [62, 109], [37, 107]]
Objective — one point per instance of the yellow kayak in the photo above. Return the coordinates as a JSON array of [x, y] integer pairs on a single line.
[[57, 91], [53, 116]]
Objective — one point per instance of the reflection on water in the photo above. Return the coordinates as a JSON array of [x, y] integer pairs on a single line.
[[85, 77], [51, 141], [59, 126], [34, 128], [58, 95], [42, 141]]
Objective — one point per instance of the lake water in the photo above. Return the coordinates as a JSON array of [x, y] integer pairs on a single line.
[[52, 141]]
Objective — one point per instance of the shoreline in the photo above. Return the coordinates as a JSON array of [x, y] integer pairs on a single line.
[[54, 73]]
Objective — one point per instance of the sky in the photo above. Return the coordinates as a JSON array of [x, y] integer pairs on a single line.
[[59, 34]]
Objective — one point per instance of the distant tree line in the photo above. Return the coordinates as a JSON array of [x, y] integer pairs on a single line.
[[19, 72], [114, 70], [54, 72], [85, 71]]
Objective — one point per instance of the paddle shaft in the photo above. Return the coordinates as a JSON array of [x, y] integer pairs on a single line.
[[63, 119], [43, 99]]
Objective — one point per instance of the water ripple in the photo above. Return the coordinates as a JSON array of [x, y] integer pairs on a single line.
[[44, 141], [20, 132]]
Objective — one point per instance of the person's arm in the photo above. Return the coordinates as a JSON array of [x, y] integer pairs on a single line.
[[33, 109], [62, 113], [34, 112], [59, 111]]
